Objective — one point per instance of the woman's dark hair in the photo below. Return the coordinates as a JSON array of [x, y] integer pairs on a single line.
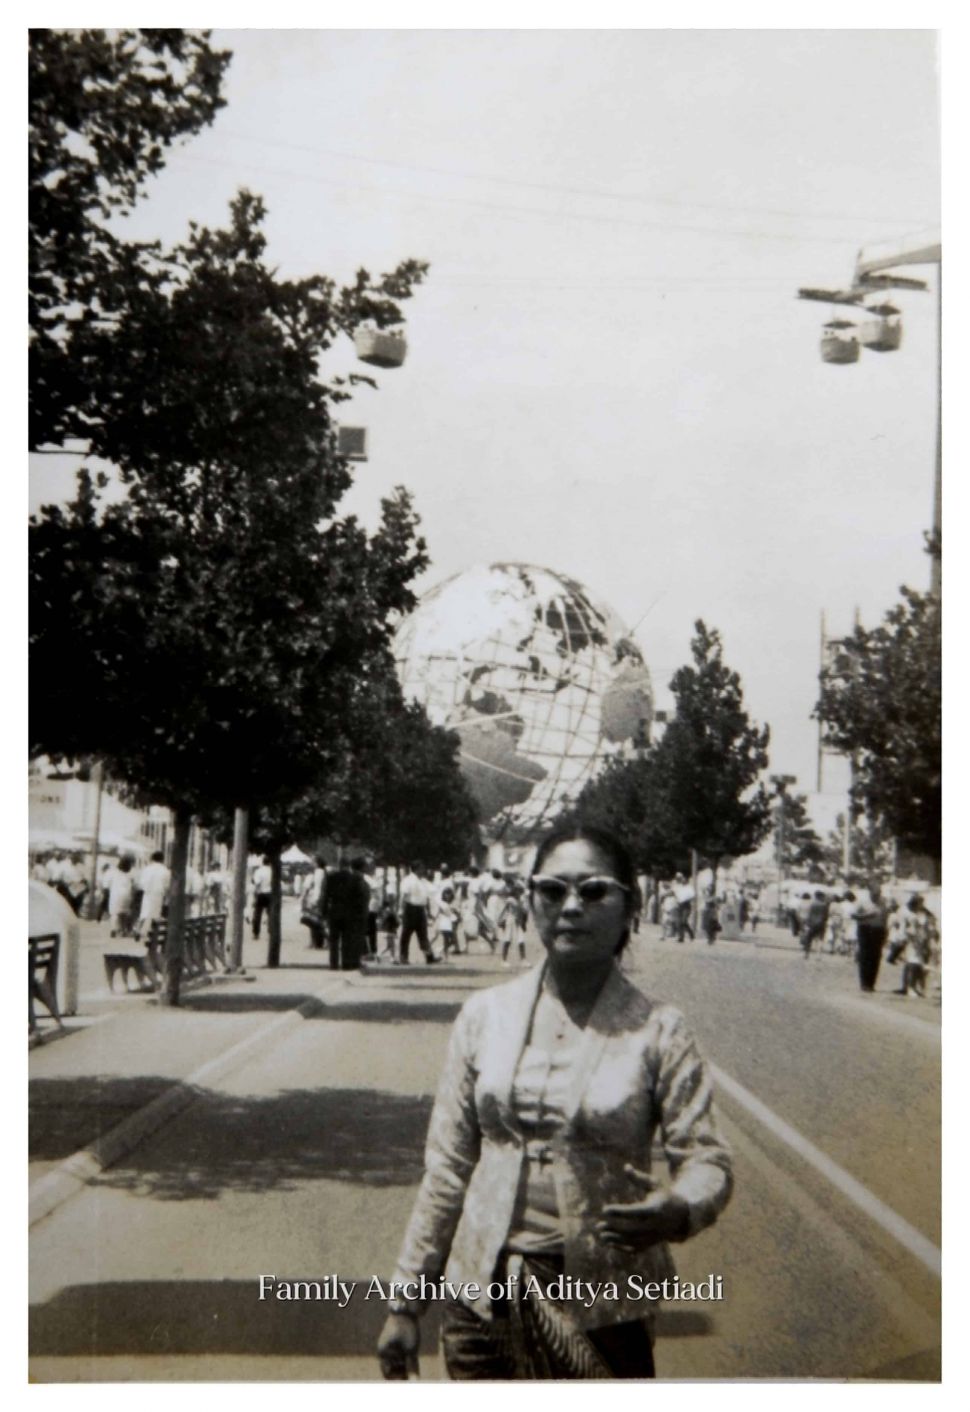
[[612, 849]]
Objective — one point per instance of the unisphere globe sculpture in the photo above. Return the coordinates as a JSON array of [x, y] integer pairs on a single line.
[[540, 682]]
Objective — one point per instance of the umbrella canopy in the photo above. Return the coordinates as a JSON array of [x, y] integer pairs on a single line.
[[48, 913], [295, 855], [109, 841], [38, 840]]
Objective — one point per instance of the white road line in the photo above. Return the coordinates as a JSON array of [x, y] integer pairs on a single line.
[[908, 1236]]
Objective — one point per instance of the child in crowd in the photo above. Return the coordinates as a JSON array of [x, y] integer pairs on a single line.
[[447, 917], [512, 920]]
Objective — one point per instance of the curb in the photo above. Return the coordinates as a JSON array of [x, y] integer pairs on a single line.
[[84, 1166]]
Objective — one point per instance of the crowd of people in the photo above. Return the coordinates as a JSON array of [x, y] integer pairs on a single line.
[[360, 910], [863, 923], [858, 922], [130, 893]]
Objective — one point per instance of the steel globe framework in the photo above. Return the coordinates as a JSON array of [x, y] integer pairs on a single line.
[[540, 681]]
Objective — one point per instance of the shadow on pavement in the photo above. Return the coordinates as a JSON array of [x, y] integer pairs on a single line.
[[237, 1004], [390, 1012], [227, 1142], [67, 1114], [180, 1317], [320, 965]]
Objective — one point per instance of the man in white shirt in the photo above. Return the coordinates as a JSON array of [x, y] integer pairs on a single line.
[[684, 892], [262, 893], [193, 891], [415, 900], [71, 883], [154, 883]]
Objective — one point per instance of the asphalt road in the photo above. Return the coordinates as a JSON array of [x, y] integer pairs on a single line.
[[303, 1163]]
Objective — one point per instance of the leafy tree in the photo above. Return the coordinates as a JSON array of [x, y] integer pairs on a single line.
[[697, 788], [419, 805], [710, 757], [104, 107], [626, 798], [390, 783], [881, 705], [801, 846], [203, 635], [870, 849]]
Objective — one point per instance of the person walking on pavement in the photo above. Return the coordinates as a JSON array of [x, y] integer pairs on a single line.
[[262, 893], [920, 933], [415, 902], [155, 879], [121, 896], [108, 869], [375, 905], [473, 912], [215, 889], [71, 883], [312, 904], [815, 922], [513, 921], [447, 920], [494, 895], [346, 904], [194, 887], [669, 913], [849, 930], [539, 1149], [871, 913], [710, 925], [685, 901]]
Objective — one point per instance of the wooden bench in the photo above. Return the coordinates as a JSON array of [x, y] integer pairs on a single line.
[[203, 952], [42, 977]]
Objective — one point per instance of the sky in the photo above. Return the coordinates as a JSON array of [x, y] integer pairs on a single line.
[[608, 370]]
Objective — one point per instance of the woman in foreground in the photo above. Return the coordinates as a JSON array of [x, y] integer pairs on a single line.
[[537, 1169]]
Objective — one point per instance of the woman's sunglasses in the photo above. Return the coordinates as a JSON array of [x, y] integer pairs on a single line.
[[556, 890]]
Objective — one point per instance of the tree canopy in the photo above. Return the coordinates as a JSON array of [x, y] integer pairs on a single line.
[[217, 612], [205, 633], [104, 107], [697, 787], [881, 705], [802, 847], [390, 783]]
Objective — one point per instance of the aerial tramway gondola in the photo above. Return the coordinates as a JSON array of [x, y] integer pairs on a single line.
[[839, 342], [883, 334], [380, 348]]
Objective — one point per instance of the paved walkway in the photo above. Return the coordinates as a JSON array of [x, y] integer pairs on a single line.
[[228, 1137]]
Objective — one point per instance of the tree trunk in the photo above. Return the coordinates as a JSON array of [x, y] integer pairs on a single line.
[[275, 911], [175, 930], [237, 910]]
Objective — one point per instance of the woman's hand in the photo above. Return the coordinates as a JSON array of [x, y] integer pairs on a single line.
[[661, 1215], [397, 1347]]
